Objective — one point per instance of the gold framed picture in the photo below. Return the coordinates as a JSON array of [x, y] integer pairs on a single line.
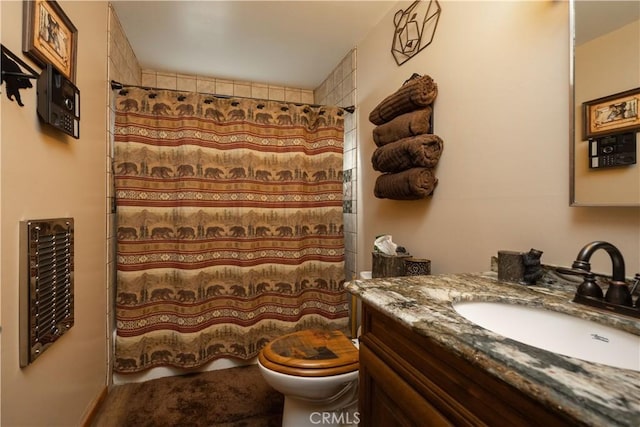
[[612, 114], [49, 36]]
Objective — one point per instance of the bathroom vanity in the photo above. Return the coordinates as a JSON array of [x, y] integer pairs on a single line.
[[422, 363]]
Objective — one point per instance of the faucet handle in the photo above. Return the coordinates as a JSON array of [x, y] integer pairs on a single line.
[[618, 293], [589, 287], [636, 282]]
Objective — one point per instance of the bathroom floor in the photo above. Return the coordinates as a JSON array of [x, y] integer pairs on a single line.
[[227, 397]]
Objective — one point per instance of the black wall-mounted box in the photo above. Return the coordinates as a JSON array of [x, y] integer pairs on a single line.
[[59, 101], [612, 150]]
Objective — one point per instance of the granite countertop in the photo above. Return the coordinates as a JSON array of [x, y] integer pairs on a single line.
[[596, 394]]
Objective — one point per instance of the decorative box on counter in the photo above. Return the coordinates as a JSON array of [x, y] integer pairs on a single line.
[[384, 265], [417, 266]]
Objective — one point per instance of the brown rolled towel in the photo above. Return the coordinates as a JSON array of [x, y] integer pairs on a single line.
[[411, 184], [408, 124], [415, 93], [415, 151]]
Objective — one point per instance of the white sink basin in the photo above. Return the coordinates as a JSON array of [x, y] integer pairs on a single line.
[[556, 332]]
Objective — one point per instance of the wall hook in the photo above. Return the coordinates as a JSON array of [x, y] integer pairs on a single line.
[[12, 75]]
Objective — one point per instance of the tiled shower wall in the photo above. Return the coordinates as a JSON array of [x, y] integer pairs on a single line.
[[339, 88], [123, 67], [212, 85]]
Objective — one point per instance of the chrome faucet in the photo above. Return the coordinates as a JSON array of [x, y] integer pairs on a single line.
[[618, 297]]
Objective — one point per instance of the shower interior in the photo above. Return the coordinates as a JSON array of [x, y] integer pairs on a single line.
[[350, 170]]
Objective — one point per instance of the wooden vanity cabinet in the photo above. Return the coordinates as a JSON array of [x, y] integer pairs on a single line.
[[406, 379]]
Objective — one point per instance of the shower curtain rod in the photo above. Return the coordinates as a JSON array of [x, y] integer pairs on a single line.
[[117, 85]]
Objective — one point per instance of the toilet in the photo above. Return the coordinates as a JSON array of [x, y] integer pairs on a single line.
[[317, 372]]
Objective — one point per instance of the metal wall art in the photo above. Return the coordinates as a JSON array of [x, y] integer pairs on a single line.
[[414, 29], [12, 75]]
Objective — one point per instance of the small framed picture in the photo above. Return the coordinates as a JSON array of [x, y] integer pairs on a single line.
[[49, 36], [612, 114]]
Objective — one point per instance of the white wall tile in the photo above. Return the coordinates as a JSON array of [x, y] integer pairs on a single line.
[[292, 95], [349, 140], [206, 85], [149, 79], [306, 97], [187, 83], [242, 89], [260, 92], [167, 81], [349, 160], [224, 87], [350, 223], [276, 93], [347, 66]]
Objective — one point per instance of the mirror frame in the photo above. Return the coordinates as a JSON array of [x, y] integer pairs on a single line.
[[572, 103], [572, 121]]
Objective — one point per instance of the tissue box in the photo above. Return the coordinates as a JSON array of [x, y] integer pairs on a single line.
[[388, 265]]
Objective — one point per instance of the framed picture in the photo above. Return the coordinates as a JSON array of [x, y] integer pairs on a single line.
[[612, 114], [49, 36]]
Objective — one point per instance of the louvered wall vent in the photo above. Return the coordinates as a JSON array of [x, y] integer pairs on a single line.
[[46, 284]]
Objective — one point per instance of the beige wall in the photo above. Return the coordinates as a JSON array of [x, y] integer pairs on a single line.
[[45, 174], [502, 70]]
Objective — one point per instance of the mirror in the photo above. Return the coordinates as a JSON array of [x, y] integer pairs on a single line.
[[605, 61]]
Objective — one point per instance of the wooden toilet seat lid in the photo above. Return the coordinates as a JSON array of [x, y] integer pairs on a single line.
[[311, 353]]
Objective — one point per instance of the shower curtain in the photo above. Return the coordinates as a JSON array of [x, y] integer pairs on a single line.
[[229, 225]]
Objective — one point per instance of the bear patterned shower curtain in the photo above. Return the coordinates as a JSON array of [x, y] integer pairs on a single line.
[[229, 225]]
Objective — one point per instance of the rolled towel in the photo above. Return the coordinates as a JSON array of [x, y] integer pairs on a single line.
[[411, 184], [408, 124], [415, 151], [415, 93]]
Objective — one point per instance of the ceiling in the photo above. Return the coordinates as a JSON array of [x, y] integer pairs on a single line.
[[595, 18], [287, 43]]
